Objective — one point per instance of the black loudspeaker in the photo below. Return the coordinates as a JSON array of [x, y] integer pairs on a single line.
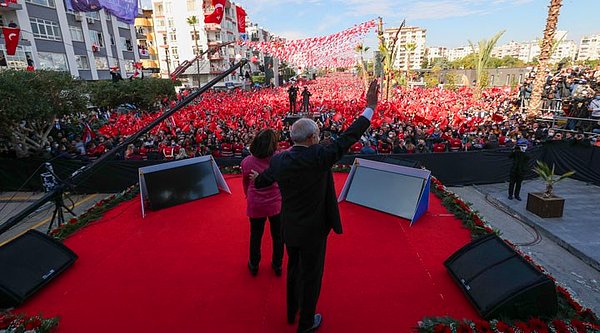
[[29, 262], [501, 283]]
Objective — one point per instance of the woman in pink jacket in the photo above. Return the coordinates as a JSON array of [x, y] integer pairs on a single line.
[[263, 203]]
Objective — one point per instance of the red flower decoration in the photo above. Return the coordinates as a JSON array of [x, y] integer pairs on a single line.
[[483, 327], [560, 326], [579, 326], [5, 320], [538, 325], [73, 220], [441, 328], [521, 326], [464, 328], [33, 323]]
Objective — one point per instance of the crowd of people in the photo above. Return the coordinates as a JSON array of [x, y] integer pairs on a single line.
[[417, 120]]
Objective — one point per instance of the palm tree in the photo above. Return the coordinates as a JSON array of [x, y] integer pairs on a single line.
[[388, 54], [360, 49], [193, 21], [545, 54], [483, 56], [410, 47]]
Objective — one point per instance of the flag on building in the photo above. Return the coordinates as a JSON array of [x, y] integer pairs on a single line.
[[217, 15], [241, 19], [11, 38]]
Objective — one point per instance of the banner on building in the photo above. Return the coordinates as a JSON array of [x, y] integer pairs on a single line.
[[125, 10], [241, 19], [11, 38]]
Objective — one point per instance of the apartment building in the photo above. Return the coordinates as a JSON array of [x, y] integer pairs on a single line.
[[146, 43], [54, 38], [589, 48], [177, 40], [408, 38]]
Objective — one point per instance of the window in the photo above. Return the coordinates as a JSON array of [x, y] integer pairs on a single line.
[[93, 15], [113, 62], [53, 61], [159, 11], [160, 22], [82, 62], [17, 61], [45, 29], [168, 8], [96, 38], [126, 44], [175, 52], [46, 3], [195, 36], [170, 22], [191, 5], [173, 36], [76, 34], [101, 63]]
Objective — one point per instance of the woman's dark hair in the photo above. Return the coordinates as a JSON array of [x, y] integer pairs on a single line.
[[264, 144]]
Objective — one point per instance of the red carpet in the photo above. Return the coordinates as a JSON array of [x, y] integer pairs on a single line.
[[183, 269]]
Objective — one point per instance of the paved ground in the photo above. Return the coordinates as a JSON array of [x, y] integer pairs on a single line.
[[571, 269], [13, 202]]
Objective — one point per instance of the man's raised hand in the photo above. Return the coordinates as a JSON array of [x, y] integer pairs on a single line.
[[373, 94]]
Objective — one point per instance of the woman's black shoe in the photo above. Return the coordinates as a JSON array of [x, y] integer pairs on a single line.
[[253, 269]]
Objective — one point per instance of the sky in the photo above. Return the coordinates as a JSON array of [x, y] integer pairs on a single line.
[[449, 23]]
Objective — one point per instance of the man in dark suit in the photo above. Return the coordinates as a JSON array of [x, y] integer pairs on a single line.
[[309, 207]]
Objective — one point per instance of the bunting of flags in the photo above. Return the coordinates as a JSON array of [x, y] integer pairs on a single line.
[[335, 50]]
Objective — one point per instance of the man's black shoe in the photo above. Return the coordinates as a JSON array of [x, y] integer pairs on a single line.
[[277, 270], [510, 197], [253, 269], [316, 324], [518, 198]]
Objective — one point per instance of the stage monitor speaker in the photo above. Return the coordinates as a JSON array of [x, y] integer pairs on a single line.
[[29, 262], [501, 283], [169, 184], [389, 188]]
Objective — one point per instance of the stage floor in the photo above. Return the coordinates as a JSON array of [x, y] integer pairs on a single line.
[[578, 230], [183, 269]]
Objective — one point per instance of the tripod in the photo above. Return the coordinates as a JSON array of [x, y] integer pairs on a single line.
[[58, 214]]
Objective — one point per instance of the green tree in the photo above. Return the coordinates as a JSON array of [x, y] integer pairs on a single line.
[[466, 62], [483, 55], [142, 93], [31, 101], [388, 55]]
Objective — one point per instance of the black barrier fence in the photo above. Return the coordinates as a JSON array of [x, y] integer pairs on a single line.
[[452, 168]]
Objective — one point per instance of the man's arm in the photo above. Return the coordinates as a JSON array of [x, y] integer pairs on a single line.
[[331, 153]]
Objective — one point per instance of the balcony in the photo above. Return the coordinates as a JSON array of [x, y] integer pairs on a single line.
[[212, 27], [9, 6], [214, 42], [216, 57]]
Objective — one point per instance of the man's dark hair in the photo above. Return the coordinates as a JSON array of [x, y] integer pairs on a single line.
[[264, 144]]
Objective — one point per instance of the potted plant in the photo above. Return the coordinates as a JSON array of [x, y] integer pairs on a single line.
[[547, 204]]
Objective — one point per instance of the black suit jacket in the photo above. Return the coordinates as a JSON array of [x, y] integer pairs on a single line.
[[309, 204]]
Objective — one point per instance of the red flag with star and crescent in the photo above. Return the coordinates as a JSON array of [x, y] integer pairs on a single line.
[[217, 15], [11, 37]]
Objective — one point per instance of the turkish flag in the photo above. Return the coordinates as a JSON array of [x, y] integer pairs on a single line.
[[11, 37], [241, 16], [217, 15]]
